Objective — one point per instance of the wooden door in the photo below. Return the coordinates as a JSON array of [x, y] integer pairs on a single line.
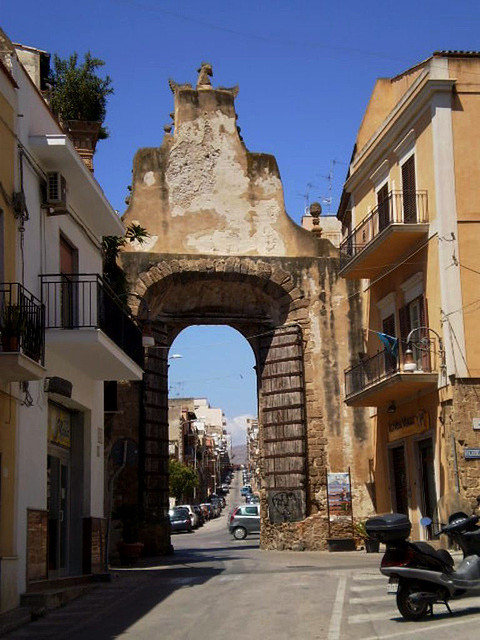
[[282, 423]]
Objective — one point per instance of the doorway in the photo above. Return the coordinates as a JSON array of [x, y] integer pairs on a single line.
[[428, 493], [398, 472], [59, 489]]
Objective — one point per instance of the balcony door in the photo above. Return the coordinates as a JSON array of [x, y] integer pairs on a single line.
[[69, 291], [409, 191], [388, 327]]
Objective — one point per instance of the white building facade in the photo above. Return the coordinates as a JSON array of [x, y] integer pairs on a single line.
[[75, 335]]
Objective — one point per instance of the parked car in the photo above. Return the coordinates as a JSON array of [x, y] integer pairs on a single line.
[[245, 490], [200, 515], [243, 520], [210, 509], [193, 515], [180, 520], [207, 510]]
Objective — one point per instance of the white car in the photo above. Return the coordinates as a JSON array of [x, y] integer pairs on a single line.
[[193, 515]]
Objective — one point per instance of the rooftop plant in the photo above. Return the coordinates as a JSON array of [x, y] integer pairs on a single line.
[[78, 92]]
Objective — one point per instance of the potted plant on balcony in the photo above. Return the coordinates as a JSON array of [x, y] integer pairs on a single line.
[[78, 98], [12, 326], [371, 545]]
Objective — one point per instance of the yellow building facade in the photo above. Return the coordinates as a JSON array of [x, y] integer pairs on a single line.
[[410, 214]]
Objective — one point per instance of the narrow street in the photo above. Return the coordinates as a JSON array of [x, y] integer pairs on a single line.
[[216, 587]]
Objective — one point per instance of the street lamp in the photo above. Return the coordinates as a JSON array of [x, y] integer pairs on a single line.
[[410, 364]]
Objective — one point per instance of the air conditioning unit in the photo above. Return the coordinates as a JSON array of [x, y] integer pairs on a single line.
[[56, 195]]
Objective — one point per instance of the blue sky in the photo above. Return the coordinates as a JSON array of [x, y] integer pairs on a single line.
[[305, 71]]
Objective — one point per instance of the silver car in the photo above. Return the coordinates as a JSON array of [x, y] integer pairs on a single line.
[[243, 520]]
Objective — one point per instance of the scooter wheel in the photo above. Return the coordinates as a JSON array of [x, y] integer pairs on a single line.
[[408, 609]]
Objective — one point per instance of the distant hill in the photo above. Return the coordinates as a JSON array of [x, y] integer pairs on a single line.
[[239, 452]]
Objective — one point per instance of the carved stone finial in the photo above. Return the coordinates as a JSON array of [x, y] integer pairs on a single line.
[[167, 128], [315, 211], [204, 72]]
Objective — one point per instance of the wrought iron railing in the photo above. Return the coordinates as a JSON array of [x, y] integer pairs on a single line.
[[400, 207], [22, 321], [85, 301], [374, 369]]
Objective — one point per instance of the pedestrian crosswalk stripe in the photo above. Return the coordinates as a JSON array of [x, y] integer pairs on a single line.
[[364, 587], [359, 577], [382, 598], [376, 615]]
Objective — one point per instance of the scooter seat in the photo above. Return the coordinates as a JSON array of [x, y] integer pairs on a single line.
[[438, 554]]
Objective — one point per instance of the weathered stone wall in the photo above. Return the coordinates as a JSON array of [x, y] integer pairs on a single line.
[[458, 419], [223, 251], [278, 291]]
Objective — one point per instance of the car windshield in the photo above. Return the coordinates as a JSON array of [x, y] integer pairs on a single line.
[[178, 513]]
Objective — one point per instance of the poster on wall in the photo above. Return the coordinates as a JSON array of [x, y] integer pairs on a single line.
[[339, 495]]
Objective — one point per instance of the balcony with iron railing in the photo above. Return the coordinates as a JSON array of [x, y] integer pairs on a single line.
[[22, 328], [385, 235], [377, 380], [87, 322]]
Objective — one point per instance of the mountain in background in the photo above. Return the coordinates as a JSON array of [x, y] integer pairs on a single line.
[[239, 454]]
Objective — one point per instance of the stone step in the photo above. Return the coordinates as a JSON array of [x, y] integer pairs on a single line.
[[40, 602]]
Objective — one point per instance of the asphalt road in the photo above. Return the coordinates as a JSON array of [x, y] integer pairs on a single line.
[[218, 588]]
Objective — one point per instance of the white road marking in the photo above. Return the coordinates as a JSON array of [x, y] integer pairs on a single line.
[[370, 617], [421, 629], [232, 578], [336, 619], [364, 587], [373, 600], [359, 577]]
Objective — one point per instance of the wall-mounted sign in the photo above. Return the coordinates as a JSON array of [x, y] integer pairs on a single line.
[[476, 424], [339, 495], [471, 454], [408, 426], [59, 426]]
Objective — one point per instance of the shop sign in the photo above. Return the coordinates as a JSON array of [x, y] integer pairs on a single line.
[[476, 424], [59, 426], [471, 454], [408, 426]]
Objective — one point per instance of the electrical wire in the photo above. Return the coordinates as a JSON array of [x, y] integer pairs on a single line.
[[309, 44]]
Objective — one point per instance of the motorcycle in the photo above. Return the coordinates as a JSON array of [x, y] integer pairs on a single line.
[[420, 575]]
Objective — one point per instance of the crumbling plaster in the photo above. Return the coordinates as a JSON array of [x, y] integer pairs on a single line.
[[203, 192]]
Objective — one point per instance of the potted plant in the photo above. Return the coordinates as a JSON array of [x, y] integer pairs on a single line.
[[12, 326], [78, 98], [129, 547], [371, 545]]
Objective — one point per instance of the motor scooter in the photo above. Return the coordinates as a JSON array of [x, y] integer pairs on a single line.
[[420, 575]]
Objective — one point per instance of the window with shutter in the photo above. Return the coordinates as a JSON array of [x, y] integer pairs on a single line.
[[383, 208], [409, 191]]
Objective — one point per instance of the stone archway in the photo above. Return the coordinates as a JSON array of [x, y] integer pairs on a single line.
[[223, 251]]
